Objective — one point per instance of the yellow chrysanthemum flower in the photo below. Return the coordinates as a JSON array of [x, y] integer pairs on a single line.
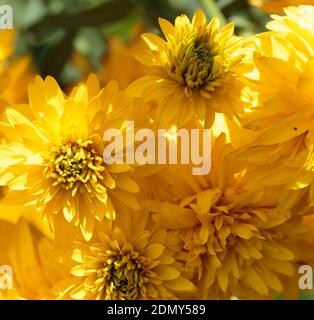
[[282, 113], [282, 78], [33, 261], [276, 6], [194, 72], [235, 240], [53, 159], [132, 260]]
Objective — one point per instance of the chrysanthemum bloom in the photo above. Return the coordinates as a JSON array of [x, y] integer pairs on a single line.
[[235, 240], [282, 78], [34, 264], [195, 72], [276, 6], [55, 162], [130, 261]]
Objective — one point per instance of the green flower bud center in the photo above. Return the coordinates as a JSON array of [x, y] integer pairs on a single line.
[[193, 63]]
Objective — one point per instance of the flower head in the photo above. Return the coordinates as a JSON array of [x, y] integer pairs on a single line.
[[127, 263], [55, 159], [236, 241], [192, 71], [282, 76]]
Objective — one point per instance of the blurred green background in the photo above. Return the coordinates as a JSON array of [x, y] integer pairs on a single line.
[[51, 30]]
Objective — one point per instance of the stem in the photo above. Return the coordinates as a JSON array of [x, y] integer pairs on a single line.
[[213, 10]]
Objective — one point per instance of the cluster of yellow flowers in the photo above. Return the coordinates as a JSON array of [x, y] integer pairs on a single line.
[[75, 227]]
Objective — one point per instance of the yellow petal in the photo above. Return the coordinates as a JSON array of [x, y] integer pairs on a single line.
[[167, 28], [176, 217], [255, 281], [127, 198], [128, 184], [243, 230], [282, 267], [154, 251], [222, 278], [154, 42], [78, 271], [180, 284], [285, 130], [166, 272], [79, 293]]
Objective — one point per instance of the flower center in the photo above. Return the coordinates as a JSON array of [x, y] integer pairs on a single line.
[[123, 274], [193, 63], [74, 163], [228, 229]]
